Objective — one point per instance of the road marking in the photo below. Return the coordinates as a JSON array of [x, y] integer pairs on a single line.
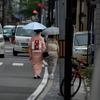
[[8, 51], [43, 65], [44, 62], [1, 63], [17, 64], [8, 47], [40, 88], [22, 64]]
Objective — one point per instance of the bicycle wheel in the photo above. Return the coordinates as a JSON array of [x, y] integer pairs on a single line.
[[62, 87], [75, 83]]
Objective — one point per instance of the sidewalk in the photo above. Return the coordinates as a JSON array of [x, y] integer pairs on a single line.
[[52, 89]]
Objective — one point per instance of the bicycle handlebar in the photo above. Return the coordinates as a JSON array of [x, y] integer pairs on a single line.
[[85, 64]]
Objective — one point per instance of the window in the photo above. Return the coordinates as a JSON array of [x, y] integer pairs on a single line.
[[23, 32], [81, 39], [9, 30]]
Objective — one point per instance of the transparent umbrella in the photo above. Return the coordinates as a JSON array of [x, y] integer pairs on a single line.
[[34, 26], [51, 31]]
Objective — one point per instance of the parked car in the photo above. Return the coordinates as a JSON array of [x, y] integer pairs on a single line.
[[22, 38], [80, 43], [7, 31], [2, 43]]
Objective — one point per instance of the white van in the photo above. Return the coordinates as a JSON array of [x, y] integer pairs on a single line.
[[2, 43], [80, 42], [22, 38]]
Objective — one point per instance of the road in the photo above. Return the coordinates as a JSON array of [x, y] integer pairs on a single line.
[[16, 78]]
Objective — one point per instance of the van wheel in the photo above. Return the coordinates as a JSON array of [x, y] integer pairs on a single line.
[[14, 53]]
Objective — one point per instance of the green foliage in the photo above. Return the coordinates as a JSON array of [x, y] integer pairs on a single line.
[[10, 12], [87, 73], [28, 7]]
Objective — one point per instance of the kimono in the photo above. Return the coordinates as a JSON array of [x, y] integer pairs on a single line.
[[36, 56], [53, 50]]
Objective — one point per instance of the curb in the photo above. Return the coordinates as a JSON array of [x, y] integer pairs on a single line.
[[46, 90]]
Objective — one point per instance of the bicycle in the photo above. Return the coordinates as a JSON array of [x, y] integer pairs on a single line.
[[75, 78]]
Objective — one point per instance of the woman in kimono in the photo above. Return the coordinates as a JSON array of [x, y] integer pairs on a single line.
[[53, 49], [36, 47]]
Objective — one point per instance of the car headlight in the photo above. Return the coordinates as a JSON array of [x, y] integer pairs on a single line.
[[1, 39], [77, 49], [16, 43]]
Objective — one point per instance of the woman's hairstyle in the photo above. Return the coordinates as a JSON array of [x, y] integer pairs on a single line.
[[50, 36], [37, 31]]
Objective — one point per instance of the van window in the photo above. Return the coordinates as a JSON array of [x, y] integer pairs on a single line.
[[81, 39], [9, 30], [24, 32]]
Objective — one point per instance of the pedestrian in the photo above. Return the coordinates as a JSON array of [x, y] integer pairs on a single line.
[[36, 47], [53, 50], [44, 62]]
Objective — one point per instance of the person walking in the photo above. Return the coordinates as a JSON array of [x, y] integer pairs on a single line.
[[53, 50], [36, 47]]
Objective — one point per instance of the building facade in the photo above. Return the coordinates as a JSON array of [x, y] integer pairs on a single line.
[[97, 31]]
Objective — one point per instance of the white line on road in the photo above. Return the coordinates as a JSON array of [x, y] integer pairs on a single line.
[[17, 64], [1, 63], [8, 47], [40, 88], [44, 62], [43, 65], [8, 51]]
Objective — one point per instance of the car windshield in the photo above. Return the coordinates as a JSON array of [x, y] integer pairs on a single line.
[[8, 30], [81, 39], [23, 32]]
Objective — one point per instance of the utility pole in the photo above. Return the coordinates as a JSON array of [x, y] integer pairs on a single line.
[[52, 8], [3, 13], [49, 22], [80, 15], [68, 49]]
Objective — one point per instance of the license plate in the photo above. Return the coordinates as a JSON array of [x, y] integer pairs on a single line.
[[26, 50]]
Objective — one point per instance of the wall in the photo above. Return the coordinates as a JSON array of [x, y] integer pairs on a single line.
[[97, 31], [83, 10]]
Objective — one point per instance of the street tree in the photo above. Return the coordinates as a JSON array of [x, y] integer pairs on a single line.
[[28, 7]]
